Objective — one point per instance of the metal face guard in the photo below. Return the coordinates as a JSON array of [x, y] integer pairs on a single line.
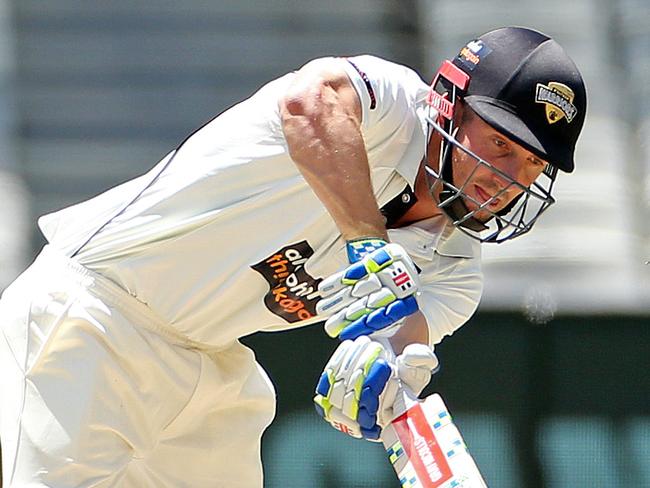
[[517, 218]]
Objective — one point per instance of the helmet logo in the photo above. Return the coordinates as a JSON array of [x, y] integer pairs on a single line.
[[472, 54], [558, 99]]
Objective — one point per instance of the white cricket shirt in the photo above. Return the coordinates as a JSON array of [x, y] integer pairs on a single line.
[[224, 237]]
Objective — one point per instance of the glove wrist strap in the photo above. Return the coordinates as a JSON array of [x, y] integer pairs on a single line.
[[358, 248]]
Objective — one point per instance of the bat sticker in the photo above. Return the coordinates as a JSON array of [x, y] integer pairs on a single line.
[[427, 450]]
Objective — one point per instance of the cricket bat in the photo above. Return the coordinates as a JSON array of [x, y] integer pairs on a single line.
[[426, 448]]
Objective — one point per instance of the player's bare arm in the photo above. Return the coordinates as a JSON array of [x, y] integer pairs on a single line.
[[414, 331], [321, 119]]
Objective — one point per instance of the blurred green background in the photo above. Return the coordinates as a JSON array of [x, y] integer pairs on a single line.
[[559, 405], [548, 382]]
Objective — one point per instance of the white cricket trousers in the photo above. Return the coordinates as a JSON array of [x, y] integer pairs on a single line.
[[95, 390]]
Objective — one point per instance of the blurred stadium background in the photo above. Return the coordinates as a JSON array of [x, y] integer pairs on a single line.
[[549, 381]]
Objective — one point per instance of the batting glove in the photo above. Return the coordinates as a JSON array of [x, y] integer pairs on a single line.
[[370, 295], [357, 391], [358, 248]]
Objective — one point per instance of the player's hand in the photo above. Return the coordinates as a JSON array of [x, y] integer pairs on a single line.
[[370, 295], [357, 391]]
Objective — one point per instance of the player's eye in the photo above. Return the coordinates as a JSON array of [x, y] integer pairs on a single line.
[[500, 143], [538, 162]]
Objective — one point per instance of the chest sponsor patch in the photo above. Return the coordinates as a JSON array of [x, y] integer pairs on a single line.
[[293, 293]]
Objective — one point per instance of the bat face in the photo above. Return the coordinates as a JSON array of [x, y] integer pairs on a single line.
[[427, 450]]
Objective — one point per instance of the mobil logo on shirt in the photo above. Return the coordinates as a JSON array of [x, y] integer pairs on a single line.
[[293, 292]]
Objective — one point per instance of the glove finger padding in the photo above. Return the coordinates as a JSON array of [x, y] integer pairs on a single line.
[[370, 295], [415, 366], [357, 391], [349, 392]]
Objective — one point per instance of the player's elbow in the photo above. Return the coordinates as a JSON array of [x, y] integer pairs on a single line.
[[305, 119], [320, 91], [304, 102]]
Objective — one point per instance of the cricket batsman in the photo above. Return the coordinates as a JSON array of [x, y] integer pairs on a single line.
[[349, 191]]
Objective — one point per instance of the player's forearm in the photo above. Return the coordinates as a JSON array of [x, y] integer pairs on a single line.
[[325, 142], [414, 331], [336, 168]]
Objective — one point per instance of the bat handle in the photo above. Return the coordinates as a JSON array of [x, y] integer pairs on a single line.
[[405, 398]]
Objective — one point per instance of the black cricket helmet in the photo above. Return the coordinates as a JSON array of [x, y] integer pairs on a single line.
[[523, 84]]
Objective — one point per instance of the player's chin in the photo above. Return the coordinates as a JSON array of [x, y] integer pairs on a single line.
[[482, 215]]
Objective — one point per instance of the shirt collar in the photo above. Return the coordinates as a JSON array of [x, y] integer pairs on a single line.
[[440, 236], [456, 244]]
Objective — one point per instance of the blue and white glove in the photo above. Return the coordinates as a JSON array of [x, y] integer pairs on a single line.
[[370, 295], [358, 248], [357, 390]]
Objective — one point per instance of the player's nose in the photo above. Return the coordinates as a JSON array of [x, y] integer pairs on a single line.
[[508, 172]]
